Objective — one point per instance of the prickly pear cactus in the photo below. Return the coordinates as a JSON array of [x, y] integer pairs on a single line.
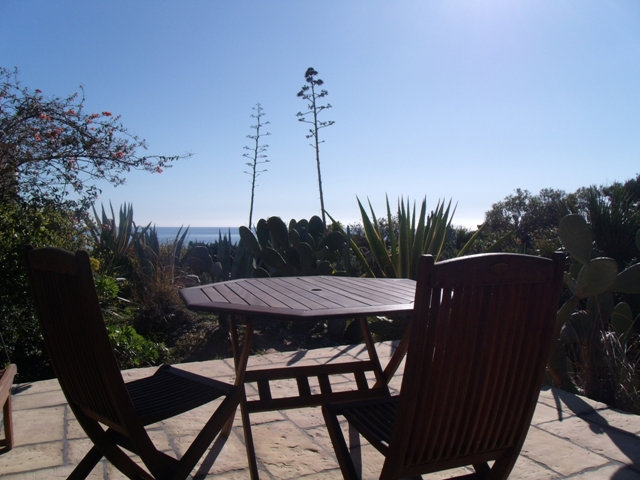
[[301, 248], [590, 312]]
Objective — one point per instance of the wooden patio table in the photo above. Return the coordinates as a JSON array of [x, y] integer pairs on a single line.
[[315, 298]]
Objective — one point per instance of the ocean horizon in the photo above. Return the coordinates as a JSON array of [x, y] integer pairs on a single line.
[[199, 234]]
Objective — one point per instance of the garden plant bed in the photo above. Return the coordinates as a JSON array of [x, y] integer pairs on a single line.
[[207, 340]]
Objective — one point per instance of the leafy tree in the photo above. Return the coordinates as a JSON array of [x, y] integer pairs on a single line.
[[256, 153], [51, 148], [615, 220], [53, 154], [631, 189], [531, 219], [311, 94]]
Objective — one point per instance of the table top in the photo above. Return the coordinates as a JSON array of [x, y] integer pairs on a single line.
[[304, 297]]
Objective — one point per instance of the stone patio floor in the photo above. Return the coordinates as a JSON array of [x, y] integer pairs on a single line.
[[571, 437]]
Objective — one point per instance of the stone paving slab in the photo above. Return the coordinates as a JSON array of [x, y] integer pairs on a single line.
[[571, 437]]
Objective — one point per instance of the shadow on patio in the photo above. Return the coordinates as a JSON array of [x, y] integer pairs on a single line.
[[570, 437]]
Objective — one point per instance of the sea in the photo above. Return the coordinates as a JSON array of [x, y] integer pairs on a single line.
[[199, 234]]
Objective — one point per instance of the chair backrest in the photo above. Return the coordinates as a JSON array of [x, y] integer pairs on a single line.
[[480, 340], [76, 338]]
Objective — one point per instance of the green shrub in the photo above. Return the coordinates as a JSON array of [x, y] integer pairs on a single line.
[[36, 224], [132, 349]]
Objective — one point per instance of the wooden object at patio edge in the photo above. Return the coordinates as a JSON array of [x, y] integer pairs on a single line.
[[6, 380]]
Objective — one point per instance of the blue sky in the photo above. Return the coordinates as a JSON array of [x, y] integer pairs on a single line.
[[458, 99]]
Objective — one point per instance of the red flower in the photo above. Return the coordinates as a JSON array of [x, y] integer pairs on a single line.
[[106, 114], [92, 117]]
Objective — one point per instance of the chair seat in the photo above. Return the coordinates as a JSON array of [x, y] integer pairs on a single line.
[[171, 391], [374, 419]]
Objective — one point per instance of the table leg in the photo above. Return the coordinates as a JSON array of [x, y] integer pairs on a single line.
[[241, 358], [396, 358], [373, 354]]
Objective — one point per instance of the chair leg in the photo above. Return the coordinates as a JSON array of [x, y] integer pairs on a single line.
[[248, 440], [481, 468], [502, 467], [124, 463], [214, 428], [226, 430], [105, 445], [355, 449], [339, 444], [83, 469]]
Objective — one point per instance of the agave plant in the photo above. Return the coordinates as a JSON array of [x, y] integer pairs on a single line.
[[396, 250], [158, 261], [112, 237]]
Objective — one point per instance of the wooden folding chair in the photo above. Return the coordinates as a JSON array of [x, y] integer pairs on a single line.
[[479, 341], [114, 413]]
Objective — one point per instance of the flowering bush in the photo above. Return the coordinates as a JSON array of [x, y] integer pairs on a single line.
[[50, 147]]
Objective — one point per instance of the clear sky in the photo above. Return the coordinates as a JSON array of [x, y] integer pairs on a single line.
[[457, 99]]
